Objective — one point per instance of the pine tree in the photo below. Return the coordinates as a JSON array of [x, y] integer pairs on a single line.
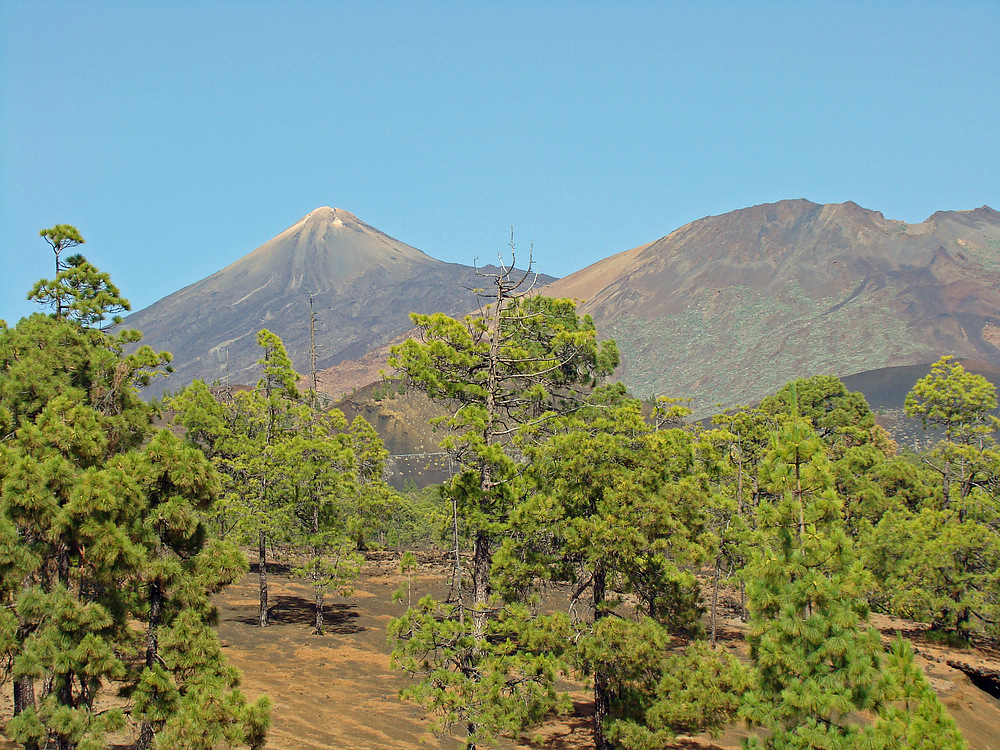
[[61, 237], [80, 292], [376, 506], [245, 436], [616, 509], [743, 434], [840, 417], [663, 690], [287, 472], [961, 404], [935, 568], [181, 568], [504, 372], [321, 475], [936, 550], [914, 719], [98, 529], [74, 420], [815, 661]]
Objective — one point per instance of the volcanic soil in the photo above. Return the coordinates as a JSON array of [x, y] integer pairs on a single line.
[[338, 690]]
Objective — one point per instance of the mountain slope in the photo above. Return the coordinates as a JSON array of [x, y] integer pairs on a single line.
[[364, 284], [728, 308]]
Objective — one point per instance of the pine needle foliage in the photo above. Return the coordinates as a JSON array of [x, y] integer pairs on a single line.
[[102, 530], [937, 554], [506, 373], [819, 667], [816, 662]]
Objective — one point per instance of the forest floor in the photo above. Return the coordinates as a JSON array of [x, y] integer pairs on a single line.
[[338, 691]]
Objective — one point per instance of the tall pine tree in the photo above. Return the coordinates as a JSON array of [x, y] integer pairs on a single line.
[[98, 531], [818, 665], [503, 372], [816, 662]]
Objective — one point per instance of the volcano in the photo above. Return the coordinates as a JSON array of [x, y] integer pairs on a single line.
[[362, 284]]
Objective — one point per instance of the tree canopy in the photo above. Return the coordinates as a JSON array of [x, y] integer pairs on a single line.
[[101, 530]]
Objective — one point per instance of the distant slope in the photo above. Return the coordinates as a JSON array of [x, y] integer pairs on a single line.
[[887, 388], [402, 419], [364, 285], [885, 391], [728, 308]]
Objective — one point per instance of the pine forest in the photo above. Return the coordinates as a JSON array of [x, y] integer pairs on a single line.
[[589, 537]]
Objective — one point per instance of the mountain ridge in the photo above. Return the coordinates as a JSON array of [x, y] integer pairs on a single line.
[[722, 310], [727, 308]]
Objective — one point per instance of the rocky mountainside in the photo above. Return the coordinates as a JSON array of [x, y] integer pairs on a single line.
[[363, 283], [728, 308], [724, 310]]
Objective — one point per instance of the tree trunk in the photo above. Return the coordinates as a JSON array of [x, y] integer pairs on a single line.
[[24, 699], [602, 697], [24, 694], [962, 623], [262, 572], [715, 594], [457, 575], [602, 707], [24, 687], [62, 564], [482, 554], [946, 486], [146, 733], [319, 609], [64, 697], [481, 583], [316, 564], [145, 740], [798, 496], [155, 618], [739, 489]]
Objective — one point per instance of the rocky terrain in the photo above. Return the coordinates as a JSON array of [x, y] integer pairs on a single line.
[[362, 283], [728, 308]]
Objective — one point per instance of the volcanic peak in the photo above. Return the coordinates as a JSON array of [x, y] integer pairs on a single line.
[[317, 222]]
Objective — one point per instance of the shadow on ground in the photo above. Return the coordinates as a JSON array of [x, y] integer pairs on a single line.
[[338, 618]]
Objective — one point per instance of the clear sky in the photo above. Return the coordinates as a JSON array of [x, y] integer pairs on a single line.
[[179, 136]]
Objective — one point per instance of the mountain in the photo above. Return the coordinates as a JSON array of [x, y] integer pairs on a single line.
[[363, 283], [728, 308], [723, 310]]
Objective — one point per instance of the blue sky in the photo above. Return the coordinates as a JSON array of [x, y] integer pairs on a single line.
[[179, 136]]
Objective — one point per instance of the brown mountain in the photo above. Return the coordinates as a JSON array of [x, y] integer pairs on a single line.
[[728, 308], [363, 282]]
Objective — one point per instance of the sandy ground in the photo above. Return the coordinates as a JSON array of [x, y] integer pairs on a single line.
[[338, 691], [331, 691]]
